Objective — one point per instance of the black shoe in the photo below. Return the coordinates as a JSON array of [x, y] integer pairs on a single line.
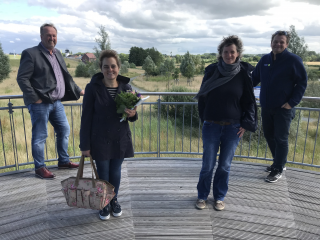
[[273, 176], [268, 169], [115, 207], [104, 214]]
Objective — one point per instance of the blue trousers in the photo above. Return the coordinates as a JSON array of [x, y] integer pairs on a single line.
[[276, 125], [40, 115], [214, 137], [110, 170]]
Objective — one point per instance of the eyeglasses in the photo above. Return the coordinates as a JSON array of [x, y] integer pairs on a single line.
[[281, 33]]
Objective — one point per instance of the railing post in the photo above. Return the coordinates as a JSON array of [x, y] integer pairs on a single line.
[[13, 135], [158, 132]]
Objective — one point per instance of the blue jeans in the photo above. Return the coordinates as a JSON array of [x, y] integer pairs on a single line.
[[276, 125], [40, 115], [110, 170], [215, 136]]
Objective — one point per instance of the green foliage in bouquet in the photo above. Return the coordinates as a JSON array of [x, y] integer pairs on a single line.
[[126, 100]]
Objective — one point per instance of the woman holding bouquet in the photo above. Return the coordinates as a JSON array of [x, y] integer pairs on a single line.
[[102, 135], [227, 108]]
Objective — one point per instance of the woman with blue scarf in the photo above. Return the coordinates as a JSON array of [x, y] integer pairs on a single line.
[[227, 108]]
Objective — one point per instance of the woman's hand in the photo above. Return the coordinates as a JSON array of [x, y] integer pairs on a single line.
[[130, 113], [241, 132], [86, 153]]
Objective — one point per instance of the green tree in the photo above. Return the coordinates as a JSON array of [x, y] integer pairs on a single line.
[[187, 67], [4, 65], [137, 55], [82, 70], [156, 56], [124, 67], [178, 58], [103, 44], [148, 66], [166, 68], [124, 57], [297, 44], [175, 74]]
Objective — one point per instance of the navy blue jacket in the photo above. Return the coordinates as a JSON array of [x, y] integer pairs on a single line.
[[101, 130], [249, 117], [282, 80]]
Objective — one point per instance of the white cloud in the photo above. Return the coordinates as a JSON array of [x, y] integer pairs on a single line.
[[168, 25], [18, 39], [11, 41]]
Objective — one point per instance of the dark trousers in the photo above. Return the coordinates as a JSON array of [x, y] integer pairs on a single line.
[[110, 170], [276, 126]]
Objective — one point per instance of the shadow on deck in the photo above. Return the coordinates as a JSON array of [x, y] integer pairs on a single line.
[[158, 202]]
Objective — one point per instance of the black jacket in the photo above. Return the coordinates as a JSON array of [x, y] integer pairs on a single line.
[[36, 77], [249, 119], [101, 130]]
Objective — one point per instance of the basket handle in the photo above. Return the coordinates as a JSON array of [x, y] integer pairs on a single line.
[[80, 171]]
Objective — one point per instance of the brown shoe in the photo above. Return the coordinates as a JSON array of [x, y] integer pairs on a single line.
[[68, 165], [44, 173], [219, 205]]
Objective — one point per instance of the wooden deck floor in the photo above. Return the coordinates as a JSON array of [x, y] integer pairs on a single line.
[[158, 202]]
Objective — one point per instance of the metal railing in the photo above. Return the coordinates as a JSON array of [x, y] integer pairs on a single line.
[[165, 129]]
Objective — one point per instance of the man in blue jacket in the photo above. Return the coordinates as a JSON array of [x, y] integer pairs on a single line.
[[283, 82], [45, 82]]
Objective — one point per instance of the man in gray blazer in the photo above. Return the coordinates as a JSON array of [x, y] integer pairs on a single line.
[[45, 82]]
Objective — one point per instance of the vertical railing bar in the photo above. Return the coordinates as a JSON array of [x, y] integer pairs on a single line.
[[167, 127], [249, 144], [150, 129], [305, 143], [12, 134], [315, 140], [191, 126], [199, 133], [74, 152], [175, 127], [182, 126], [141, 128], [158, 133], [4, 151], [265, 153], [295, 145], [259, 136], [46, 148], [134, 136], [55, 144], [241, 146], [25, 135]]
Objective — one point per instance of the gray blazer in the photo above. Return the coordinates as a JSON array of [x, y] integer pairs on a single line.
[[36, 77]]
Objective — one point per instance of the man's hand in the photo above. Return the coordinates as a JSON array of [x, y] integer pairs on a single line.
[[82, 93], [286, 106], [130, 113], [241, 132], [39, 101], [86, 153]]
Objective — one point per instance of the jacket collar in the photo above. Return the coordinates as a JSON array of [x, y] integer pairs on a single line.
[[280, 56]]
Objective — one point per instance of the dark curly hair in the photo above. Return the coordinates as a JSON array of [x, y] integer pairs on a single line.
[[228, 41], [109, 54], [281, 33]]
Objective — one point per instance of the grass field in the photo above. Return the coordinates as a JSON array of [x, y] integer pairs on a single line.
[[307, 144]]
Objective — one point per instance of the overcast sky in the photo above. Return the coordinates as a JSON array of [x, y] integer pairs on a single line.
[[173, 26]]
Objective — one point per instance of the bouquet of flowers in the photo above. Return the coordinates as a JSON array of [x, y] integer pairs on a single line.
[[128, 100]]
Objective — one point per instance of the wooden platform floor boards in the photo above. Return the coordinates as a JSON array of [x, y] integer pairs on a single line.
[[158, 202]]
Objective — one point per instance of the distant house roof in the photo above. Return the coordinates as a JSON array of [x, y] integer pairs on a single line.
[[90, 55]]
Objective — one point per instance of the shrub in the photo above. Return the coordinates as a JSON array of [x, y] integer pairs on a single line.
[[68, 65], [82, 70], [132, 65], [190, 111], [4, 65]]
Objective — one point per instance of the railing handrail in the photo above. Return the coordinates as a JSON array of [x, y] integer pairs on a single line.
[[304, 98]]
